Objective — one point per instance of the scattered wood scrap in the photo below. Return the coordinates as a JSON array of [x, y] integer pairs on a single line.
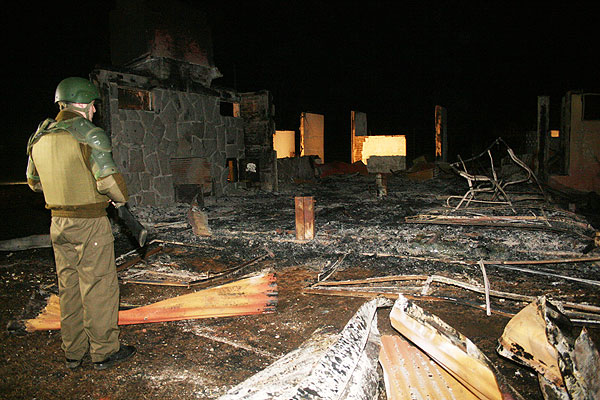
[[580, 312], [253, 295], [26, 243], [500, 221], [330, 269], [138, 259], [171, 275]]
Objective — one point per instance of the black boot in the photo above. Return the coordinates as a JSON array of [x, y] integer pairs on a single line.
[[123, 354], [72, 364]]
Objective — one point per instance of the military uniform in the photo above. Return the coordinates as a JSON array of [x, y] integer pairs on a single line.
[[70, 161]]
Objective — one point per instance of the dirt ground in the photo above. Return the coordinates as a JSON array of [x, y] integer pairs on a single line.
[[202, 359]]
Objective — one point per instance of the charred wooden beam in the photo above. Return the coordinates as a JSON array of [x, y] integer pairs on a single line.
[[305, 218]]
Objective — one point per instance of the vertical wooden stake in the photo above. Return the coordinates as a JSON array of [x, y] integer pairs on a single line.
[[309, 218], [299, 218], [305, 218]]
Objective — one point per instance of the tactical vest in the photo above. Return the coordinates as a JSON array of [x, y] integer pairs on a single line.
[[69, 185]]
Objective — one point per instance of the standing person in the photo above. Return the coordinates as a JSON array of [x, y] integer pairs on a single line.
[[70, 161]]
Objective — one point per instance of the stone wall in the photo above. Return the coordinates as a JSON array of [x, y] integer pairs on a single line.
[[173, 125]]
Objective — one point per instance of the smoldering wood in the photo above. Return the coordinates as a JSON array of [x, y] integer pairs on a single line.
[[200, 245], [486, 283], [208, 333], [138, 259], [490, 224], [490, 262], [505, 263]]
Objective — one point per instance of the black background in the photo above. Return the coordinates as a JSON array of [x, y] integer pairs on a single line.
[[486, 62]]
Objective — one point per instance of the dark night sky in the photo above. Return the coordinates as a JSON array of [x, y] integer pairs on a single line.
[[486, 62]]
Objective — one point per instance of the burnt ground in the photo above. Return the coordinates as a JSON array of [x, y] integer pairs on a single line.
[[202, 359]]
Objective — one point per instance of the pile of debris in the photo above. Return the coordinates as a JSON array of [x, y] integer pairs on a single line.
[[511, 255]]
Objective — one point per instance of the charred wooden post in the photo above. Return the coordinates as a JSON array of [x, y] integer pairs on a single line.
[[305, 218], [381, 184]]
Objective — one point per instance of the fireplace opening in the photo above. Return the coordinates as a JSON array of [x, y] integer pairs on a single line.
[[191, 178]]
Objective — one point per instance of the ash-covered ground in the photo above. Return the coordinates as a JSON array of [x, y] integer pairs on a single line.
[[406, 232]]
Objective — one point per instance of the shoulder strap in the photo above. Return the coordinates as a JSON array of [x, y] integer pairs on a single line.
[[41, 130]]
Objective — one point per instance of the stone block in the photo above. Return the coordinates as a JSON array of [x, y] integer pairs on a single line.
[[163, 160], [147, 118], [163, 186], [231, 136], [120, 153], [133, 183], [170, 131], [136, 160], [187, 129], [210, 131], [197, 146], [151, 140], [220, 140], [169, 147], [164, 200], [210, 147], [184, 149], [152, 164], [134, 200], [211, 109], [133, 132], [146, 181], [187, 110], [147, 198], [169, 113], [231, 151]]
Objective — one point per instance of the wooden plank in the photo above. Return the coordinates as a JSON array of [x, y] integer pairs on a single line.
[[299, 202]]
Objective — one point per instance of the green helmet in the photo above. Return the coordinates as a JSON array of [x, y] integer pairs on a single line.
[[76, 90]]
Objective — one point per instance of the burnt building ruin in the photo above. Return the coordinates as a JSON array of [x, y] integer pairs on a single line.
[[174, 135]]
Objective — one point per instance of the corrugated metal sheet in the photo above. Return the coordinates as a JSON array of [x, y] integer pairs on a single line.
[[411, 374]]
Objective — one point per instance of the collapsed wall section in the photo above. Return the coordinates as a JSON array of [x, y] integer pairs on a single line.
[[152, 126]]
